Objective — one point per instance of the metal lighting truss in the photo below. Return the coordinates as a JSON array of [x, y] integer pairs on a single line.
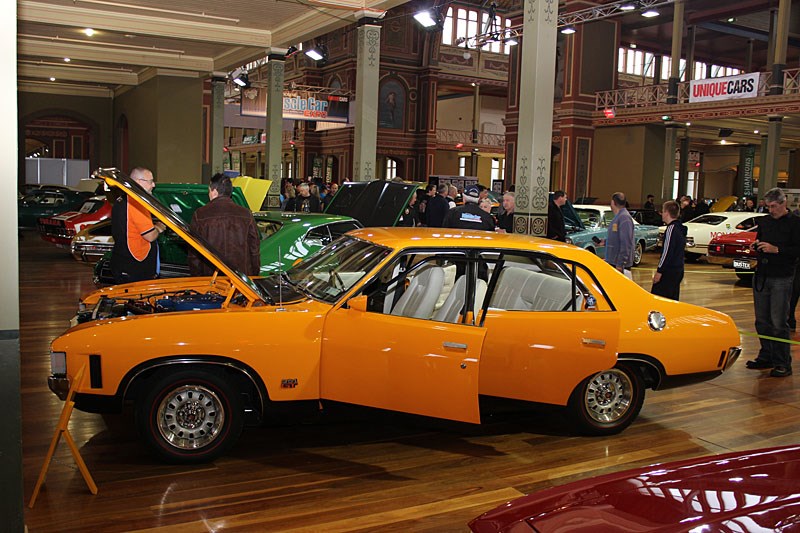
[[606, 11]]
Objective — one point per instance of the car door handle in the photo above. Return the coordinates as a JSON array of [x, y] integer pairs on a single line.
[[456, 345], [593, 342]]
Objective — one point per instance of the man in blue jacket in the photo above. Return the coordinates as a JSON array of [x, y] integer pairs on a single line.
[[619, 240], [669, 273]]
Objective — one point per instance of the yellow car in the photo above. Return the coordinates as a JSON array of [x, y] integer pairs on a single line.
[[415, 320]]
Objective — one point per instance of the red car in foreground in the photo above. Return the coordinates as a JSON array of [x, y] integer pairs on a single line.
[[733, 249], [757, 490], [60, 229]]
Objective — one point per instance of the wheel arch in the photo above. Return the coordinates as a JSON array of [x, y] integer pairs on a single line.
[[650, 369], [245, 377]]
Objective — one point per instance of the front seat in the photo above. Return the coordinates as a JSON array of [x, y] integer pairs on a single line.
[[423, 290], [451, 310]]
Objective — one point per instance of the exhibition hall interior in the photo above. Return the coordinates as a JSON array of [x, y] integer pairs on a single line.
[[385, 265]]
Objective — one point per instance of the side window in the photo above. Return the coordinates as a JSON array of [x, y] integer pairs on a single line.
[[338, 229], [539, 282], [608, 216], [319, 236], [428, 286], [746, 223], [267, 228]]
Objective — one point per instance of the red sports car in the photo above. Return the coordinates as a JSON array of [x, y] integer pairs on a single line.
[[733, 249], [755, 490], [60, 229]]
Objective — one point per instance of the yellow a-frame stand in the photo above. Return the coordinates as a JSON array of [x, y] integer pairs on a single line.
[[63, 429]]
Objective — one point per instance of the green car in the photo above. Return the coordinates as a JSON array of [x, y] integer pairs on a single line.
[[285, 237], [46, 203]]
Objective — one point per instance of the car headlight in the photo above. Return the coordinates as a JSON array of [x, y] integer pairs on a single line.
[[58, 363], [656, 321]]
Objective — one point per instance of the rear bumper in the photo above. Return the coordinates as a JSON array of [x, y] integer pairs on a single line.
[[669, 382], [59, 385]]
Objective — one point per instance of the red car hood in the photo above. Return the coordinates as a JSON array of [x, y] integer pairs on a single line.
[[757, 490], [742, 237]]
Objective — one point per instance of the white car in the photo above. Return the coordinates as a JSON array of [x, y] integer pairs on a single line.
[[700, 230]]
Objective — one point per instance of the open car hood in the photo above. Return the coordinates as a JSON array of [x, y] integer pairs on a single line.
[[185, 198], [115, 178], [373, 203]]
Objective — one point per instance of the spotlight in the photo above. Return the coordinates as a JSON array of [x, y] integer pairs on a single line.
[[650, 13], [317, 52], [427, 18], [88, 31], [666, 118], [291, 51], [568, 30], [630, 6], [239, 77], [512, 41]]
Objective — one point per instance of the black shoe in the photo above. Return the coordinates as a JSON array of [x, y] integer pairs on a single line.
[[758, 364], [781, 372]]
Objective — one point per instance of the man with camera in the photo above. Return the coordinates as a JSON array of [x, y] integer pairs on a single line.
[[778, 246]]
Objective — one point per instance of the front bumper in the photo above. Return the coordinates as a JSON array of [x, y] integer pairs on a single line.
[[59, 385]]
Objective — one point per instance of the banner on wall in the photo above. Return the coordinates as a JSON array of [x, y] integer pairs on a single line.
[[298, 105], [716, 89]]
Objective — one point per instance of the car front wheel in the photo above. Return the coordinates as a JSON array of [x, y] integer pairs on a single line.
[[637, 253], [191, 416], [607, 402]]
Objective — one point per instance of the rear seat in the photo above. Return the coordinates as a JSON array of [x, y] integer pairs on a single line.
[[520, 289]]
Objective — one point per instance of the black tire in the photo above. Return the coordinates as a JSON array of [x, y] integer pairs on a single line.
[[607, 402], [692, 257], [638, 252], [190, 416], [746, 276]]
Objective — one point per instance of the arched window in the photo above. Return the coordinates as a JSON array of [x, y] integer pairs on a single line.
[[391, 168]]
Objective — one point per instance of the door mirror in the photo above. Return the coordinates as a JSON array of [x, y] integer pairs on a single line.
[[358, 303]]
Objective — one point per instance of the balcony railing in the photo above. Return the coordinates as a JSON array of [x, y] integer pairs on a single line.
[[454, 137], [653, 95]]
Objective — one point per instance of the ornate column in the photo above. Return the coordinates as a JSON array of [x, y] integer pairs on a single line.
[[274, 128], [368, 65], [768, 177], [538, 47], [671, 138], [217, 129]]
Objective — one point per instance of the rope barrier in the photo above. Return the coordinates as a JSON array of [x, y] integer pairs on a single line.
[[767, 337], [706, 271]]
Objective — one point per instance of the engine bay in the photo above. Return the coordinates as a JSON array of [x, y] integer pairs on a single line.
[[163, 302]]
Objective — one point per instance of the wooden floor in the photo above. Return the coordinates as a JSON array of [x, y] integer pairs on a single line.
[[367, 470]]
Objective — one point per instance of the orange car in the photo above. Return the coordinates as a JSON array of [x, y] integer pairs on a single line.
[[414, 320]]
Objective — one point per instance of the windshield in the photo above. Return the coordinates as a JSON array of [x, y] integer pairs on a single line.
[[590, 217], [332, 271]]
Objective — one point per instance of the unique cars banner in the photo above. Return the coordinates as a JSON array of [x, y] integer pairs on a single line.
[[298, 105], [715, 89]]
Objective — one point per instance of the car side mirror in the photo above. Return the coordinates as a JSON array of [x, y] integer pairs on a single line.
[[358, 303]]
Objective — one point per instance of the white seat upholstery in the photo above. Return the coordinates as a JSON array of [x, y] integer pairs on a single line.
[[422, 292], [525, 290], [451, 309]]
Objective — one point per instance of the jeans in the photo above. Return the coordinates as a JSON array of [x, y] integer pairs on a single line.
[[771, 300]]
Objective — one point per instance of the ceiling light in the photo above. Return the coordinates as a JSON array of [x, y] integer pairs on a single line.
[[731, 19], [755, 131], [318, 52], [630, 6], [723, 141], [568, 30], [239, 77], [52, 79], [67, 60], [426, 18], [633, 46], [688, 123], [650, 13], [314, 54], [89, 32], [512, 41]]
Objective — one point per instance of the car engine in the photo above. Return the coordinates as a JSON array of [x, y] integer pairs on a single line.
[[188, 300]]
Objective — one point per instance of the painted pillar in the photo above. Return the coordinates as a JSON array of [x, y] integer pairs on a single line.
[[671, 138], [535, 116], [768, 177], [368, 63], [217, 129], [272, 157]]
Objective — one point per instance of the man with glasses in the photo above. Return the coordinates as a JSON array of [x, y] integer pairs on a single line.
[[778, 246], [135, 253]]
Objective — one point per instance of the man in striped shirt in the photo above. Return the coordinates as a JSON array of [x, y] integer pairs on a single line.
[[669, 274]]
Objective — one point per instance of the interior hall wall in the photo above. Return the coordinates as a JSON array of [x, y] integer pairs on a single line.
[[652, 165], [618, 163], [597, 60], [446, 163], [95, 111], [456, 114], [140, 107], [180, 121]]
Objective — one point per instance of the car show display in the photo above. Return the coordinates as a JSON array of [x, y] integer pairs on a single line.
[[47, 201], [594, 221], [700, 230], [442, 318], [60, 229]]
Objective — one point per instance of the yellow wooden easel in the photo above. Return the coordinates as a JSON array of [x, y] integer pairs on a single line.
[[63, 429]]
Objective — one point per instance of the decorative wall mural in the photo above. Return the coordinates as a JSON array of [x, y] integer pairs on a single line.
[[391, 104]]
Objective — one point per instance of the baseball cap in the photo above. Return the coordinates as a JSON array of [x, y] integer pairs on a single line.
[[471, 194]]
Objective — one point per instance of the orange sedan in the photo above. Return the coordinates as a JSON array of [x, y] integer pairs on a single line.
[[415, 320]]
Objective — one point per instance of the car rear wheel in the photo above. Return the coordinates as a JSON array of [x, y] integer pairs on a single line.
[[746, 276], [191, 416], [607, 402], [637, 253]]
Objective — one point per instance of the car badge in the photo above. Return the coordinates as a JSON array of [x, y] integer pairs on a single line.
[[591, 302]]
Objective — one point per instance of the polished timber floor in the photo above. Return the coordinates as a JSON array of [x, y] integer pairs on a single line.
[[366, 471]]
